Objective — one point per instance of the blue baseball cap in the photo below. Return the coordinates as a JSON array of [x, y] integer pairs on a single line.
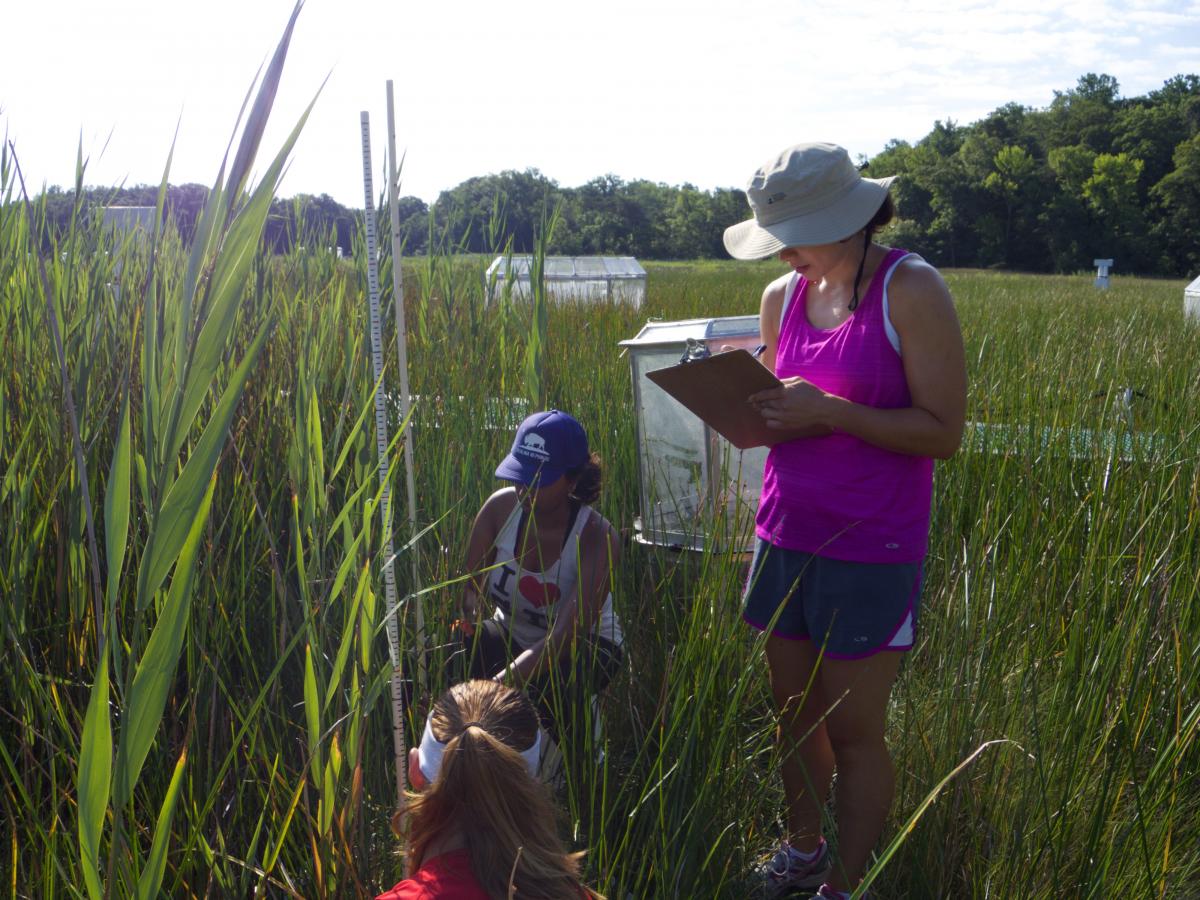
[[547, 445]]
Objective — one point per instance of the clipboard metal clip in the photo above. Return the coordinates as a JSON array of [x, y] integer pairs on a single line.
[[695, 349]]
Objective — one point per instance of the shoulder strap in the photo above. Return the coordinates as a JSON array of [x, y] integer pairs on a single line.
[[506, 537], [522, 525], [574, 514], [889, 329], [792, 281]]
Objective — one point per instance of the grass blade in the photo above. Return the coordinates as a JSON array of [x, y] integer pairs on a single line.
[[256, 123], [156, 863], [116, 508], [183, 502], [94, 779], [155, 671]]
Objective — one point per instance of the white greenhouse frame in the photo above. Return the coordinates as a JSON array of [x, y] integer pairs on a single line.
[[129, 218], [572, 279]]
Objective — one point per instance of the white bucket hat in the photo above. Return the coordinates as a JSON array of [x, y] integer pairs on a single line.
[[808, 194]]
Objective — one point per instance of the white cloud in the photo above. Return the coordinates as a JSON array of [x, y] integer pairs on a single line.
[[699, 91]]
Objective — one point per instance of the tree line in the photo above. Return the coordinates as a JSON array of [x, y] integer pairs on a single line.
[[1092, 175]]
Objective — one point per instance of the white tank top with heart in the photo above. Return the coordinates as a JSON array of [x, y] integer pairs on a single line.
[[526, 601]]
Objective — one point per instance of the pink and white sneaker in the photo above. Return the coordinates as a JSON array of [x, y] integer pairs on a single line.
[[785, 871]]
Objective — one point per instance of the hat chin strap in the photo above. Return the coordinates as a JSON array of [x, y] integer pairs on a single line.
[[862, 260]]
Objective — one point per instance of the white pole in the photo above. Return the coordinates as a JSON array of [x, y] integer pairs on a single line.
[[381, 446], [402, 359]]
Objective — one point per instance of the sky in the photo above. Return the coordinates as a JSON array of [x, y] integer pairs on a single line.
[[696, 92]]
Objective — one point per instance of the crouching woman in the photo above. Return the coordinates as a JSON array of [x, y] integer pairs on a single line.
[[543, 558]]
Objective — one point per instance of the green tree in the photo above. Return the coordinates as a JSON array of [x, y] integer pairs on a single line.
[[1179, 194], [461, 213], [687, 223], [1072, 167], [1066, 220], [1014, 170], [1112, 189], [977, 156], [1150, 133], [728, 208], [1085, 114], [1114, 195], [600, 217]]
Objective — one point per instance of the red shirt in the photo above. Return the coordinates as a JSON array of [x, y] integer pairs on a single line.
[[445, 877]]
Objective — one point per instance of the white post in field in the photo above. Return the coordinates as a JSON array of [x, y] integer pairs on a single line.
[[381, 446], [1102, 267], [402, 361]]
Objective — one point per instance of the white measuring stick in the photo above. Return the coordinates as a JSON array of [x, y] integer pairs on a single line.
[[402, 360], [381, 445]]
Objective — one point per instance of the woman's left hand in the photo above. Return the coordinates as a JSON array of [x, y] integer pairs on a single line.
[[797, 404]]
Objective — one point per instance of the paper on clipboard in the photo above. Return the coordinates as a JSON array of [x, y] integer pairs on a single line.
[[715, 389]]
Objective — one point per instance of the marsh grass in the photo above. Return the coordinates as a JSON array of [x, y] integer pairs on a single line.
[[1044, 729]]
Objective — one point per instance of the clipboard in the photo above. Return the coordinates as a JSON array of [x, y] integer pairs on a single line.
[[715, 388]]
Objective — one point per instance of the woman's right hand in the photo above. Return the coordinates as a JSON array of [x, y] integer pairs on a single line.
[[469, 614], [797, 405]]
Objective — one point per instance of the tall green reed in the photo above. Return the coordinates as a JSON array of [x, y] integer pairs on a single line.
[[184, 346]]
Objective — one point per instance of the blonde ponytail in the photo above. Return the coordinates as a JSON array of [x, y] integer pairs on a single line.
[[485, 793]]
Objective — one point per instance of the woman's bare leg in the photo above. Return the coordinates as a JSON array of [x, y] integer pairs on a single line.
[[807, 754], [856, 693]]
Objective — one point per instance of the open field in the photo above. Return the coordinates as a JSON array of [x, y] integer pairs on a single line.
[[1060, 625]]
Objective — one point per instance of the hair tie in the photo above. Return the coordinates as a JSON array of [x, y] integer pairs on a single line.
[[467, 725]]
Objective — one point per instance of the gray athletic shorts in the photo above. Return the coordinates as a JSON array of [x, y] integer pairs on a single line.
[[853, 609]]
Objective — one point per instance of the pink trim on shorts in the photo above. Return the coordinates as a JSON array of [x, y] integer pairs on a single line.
[[882, 648]]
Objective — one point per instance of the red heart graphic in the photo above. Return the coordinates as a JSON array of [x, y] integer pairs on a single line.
[[538, 593]]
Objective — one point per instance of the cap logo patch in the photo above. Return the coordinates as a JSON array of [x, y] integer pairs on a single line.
[[534, 444]]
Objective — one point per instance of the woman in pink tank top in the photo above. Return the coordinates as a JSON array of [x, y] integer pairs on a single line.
[[867, 345]]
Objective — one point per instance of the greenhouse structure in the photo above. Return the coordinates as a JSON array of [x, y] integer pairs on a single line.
[[129, 218], [572, 279], [1191, 300]]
